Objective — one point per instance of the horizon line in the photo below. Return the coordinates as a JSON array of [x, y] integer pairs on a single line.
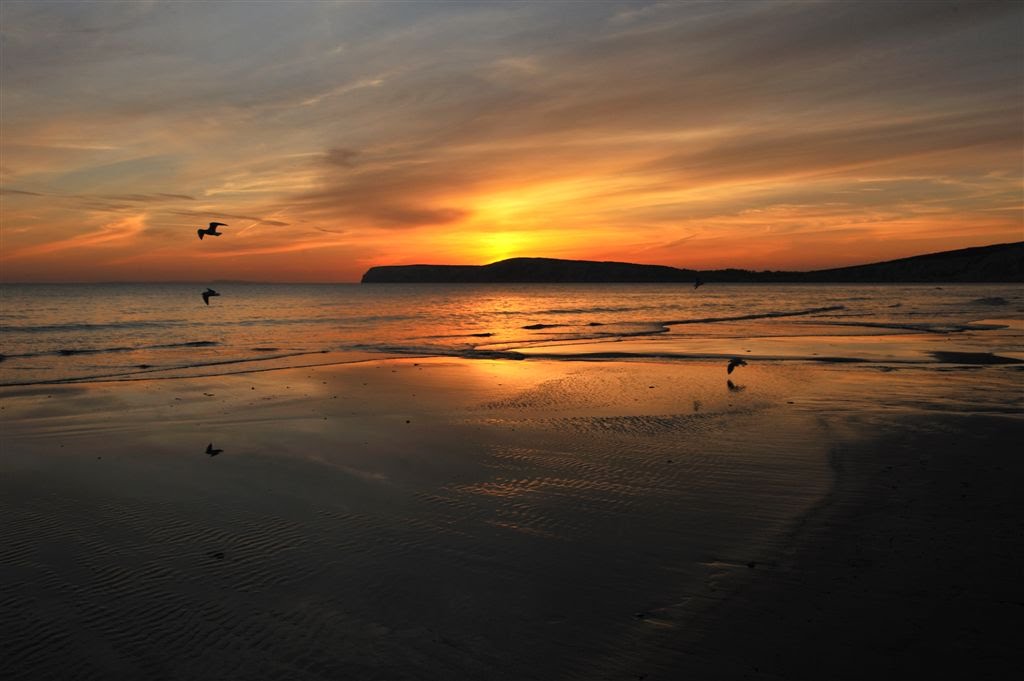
[[204, 282]]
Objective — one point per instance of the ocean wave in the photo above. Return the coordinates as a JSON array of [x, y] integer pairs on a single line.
[[437, 351], [659, 327], [406, 350], [148, 369], [975, 358], [481, 334], [87, 326], [581, 310], [670, 355], [932, 358], [68, 352], [759, 315], [921, 327]]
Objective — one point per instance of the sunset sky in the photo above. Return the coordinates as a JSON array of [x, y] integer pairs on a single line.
[[332, 137]]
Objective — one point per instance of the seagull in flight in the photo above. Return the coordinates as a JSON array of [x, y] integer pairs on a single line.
[[211, 230], [211, 451], [733, 363], [698, 282], [209, 293]]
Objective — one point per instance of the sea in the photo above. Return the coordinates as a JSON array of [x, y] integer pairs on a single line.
[[66, 333]]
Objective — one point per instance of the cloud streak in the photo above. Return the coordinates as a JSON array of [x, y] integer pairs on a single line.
[[113, 233]]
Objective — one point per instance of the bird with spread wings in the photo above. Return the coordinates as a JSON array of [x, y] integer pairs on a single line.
[[211, 230]]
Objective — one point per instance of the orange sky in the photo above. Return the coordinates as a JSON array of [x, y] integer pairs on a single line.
[[336, 136]]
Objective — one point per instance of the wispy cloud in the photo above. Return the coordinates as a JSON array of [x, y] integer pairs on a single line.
[[117, 232], [18, 192], [343, 89]]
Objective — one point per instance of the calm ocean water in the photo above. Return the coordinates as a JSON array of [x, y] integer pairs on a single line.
[[125, 331]]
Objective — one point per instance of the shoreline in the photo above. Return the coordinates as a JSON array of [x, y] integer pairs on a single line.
[[534, 461], [608, 352]]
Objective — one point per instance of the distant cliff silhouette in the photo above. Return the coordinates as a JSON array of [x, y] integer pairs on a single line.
[[997, 263]]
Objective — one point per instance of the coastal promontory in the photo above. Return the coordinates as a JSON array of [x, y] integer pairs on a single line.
[[996, 263]]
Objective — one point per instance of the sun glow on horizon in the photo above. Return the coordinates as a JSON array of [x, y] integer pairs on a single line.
[[495, 246]]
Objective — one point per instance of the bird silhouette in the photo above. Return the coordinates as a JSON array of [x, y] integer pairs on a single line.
[[211, 451], [209, 293], [698, 283], [733, 363], [211, 230]]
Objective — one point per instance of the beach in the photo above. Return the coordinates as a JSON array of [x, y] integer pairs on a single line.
[[495, 340], [441, 518]]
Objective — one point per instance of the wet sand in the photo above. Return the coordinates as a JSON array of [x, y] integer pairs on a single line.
[[909, 569], [437, 519]]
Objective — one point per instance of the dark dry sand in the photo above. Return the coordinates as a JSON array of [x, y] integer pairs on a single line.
[[515, 520]]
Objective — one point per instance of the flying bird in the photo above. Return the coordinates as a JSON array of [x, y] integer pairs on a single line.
[[209, 293], [733, 363], [211, 451], [211, 230], [698, 283]]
